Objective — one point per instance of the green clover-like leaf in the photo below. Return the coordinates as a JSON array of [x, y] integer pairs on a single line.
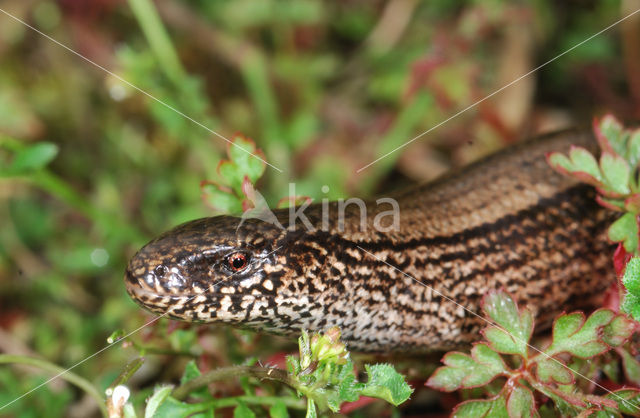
[[521, 403], [464, 371], [616, 173], [496, 407], [551, 370], [240, 154], [580, 164], [631, 305], [610, 135], [618, 331], [627, 400], [573, 335], [625, 230], [385, 383], [515, 325]]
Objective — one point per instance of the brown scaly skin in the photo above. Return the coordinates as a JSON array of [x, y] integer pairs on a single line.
[[507, 222]]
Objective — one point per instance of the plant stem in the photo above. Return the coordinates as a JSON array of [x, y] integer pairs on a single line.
[[182, 391], [58, 371], [260, 400], [158, 38]]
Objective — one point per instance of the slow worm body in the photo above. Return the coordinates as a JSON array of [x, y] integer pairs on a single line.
[[508, 221]]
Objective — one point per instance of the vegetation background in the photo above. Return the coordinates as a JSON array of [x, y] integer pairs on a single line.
[[91, 168]]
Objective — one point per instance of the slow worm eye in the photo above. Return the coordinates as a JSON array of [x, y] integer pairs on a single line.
[[237, 261]]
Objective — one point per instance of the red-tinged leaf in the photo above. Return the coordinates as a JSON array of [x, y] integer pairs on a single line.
[[616, 173], [618, 331], [580, 164], [495, 407], [607, 130], [571, 398], [231, 173], [625, 230], [219, 197], [611, 204], [630, 366], [620, 259], [627, 401], [464, 371], [632, 203], [550, 370], [521, 403], [515, 325], [247, 157], [573, 335], [601, 401], [633, 151]]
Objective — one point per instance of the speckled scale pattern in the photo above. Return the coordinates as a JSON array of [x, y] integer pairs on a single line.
[[505, 222]]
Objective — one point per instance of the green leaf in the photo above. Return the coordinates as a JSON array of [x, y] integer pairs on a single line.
[[493, 408], [610, 134], [618, 331], [191, 372], [550, 370], [464, 371], [243, 411], [240, 153], [385, 383], [220, 198], [573, 335], [633, 148], [631, 306], [33, 158], [278, 410], [628, 401], [520, 402], [616, 173], [312, 412], [630, 366], [172, 407], [631, 277], [625, 230], [158, 397], [515, 328], [582, 165]]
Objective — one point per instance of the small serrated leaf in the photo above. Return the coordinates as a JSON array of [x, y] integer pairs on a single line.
[[220, 198], [464, 371], [608, 132], [631, 278], [385, 383], [573, 335], [241, 154], [501, 308], [628, 401], [633, 148], [550, 370], [616, 173], [520, 403], [630, 366], [632, 203], [625, 230], [496, 407], [584, 161], [618, 331], [631, 305]]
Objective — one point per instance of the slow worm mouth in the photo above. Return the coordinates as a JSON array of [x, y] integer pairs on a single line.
[[141, 295]]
